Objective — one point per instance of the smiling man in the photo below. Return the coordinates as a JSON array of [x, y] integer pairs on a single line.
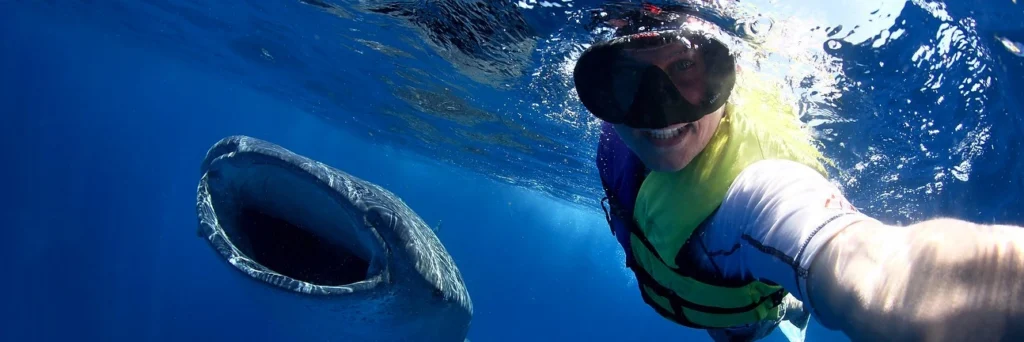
[[730, 223]]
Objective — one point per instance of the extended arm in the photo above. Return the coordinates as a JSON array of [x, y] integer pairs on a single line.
[[939, 280]]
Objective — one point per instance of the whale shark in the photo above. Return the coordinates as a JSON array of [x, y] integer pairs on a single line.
[[329, 243]]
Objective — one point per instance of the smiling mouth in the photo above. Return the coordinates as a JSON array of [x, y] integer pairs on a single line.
[[665, 133], [669, 136]]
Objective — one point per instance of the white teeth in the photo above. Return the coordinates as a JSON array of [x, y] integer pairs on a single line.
[[667, 133]]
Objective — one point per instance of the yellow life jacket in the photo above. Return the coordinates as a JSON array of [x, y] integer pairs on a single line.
[[671, 205]]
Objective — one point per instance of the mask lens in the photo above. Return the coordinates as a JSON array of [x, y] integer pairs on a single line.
[[655, 79]]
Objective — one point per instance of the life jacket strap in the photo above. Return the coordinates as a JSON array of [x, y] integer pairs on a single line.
[[678, 304], [635, 230]]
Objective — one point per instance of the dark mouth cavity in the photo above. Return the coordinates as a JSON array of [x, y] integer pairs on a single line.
[[289, 224], [296, 251]]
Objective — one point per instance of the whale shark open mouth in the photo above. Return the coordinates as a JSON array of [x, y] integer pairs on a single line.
[[280, 224]]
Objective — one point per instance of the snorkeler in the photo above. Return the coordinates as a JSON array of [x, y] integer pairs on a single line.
[[729, 221]]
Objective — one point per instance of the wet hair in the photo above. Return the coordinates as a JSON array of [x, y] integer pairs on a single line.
[[647, 16]]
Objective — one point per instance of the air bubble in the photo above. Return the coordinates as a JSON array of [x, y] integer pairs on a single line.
[[833, 45], [1015, 48]]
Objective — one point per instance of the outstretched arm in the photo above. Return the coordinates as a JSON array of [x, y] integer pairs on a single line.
[[939, 280]]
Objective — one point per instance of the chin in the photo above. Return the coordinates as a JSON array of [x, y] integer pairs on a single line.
[[661, 165], [669, 162]]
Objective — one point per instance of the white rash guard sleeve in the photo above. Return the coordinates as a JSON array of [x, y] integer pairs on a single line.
[[775, 217]]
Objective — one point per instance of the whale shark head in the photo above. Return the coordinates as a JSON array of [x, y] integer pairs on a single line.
[[324, 237]]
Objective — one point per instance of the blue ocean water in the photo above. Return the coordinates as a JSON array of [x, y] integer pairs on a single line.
[[464, 111]]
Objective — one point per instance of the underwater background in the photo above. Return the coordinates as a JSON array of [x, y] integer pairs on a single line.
[[462, 108]]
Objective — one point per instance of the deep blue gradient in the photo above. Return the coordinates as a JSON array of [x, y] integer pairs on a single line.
[[108, 108], [105, 143]]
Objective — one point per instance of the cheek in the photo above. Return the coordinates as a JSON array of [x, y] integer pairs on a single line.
[[629, 136], [635, 143]]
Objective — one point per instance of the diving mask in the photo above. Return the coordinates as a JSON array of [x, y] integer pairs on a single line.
[[661, 68]]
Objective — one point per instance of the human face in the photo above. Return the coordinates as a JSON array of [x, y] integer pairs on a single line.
[[672, 148], [655, 79]]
